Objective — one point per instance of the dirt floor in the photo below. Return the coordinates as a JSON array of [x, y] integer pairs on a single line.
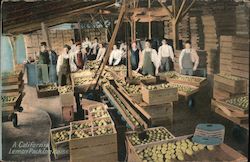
[[35, 123]]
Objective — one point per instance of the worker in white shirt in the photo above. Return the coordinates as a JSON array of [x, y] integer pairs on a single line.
[[101, 52], [72, 45], [94, 47], [63, 67], [86, 44], [149, 60], [189, 60], [165, 54], [115, 56]]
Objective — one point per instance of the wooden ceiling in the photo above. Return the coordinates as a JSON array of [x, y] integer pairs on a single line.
[[24, 17]]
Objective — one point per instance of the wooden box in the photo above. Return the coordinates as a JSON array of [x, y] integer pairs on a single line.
[[230, 85], [131, 149], [94, 148], [161, 115], [189, 80], [68, 113], [158, 96], [13, 87], [193, 89], [83, 87], [220, 153], [102, 114], [46, 93], [60, 149], [67, 98], [12, 77]]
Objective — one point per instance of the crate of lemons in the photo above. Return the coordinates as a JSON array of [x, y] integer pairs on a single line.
[[173, 150], [184, 89]]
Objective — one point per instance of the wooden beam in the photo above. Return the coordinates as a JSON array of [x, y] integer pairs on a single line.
[[111, 43], [45, 34], [180, 11], [63, 17], [174, 8], [166, 8], [149, 23], [188, 8]]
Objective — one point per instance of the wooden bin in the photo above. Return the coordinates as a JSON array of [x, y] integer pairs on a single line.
[[42, 94], [67, 98], [186, 94], [230, 85], [196, 81], [161, 115], [155, 97], [84, 87], [131, 149], [220, 153], [60, 149], [95, 148]]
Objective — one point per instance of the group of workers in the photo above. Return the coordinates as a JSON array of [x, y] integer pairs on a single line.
[[147, 61]]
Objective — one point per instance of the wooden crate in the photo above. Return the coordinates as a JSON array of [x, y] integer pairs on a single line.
[[42, 93], [230, 85], [189, 80], [160, 96], [185, 93], [60, 149], [219, 94], [94, 148], [85, 86], [136, 97], [12, 77], [68, 113], [67, 98], [220, 153], [14, 102], [161, 115], [104, 113]]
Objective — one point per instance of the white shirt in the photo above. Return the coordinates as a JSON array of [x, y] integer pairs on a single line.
[[73, 48], [101, 53], [154, 57], [86, 44], [94, 47], [60, 61], [115, 55], [166, 51], [194, 57], [72, 64]]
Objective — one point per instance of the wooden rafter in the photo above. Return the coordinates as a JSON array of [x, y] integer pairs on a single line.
[[180, 11], [166, 8], [187, 9]]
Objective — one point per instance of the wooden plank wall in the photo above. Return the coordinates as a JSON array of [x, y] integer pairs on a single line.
[[57, 37]]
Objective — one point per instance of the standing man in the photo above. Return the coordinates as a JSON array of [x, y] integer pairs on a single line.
[[72, 45], [80, 57], [86, 44], [52, 66], [63, 67], [134, 56], [115, 56], [166, 55], [42, 66], [94, 49], [188, 60], [149, 62]]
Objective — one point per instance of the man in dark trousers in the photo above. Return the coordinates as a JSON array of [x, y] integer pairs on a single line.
[[42, 66], [52, 66], [63, 67]]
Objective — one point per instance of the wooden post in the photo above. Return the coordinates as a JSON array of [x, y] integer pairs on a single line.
[[134, 30], [45, 34], [149, 23], [175, 34], [80, 30], [111, 43]]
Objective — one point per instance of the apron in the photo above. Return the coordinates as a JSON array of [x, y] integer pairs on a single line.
[[134, 58], [148, 66], [63, 76], [187, 64], [52, 70], [79, 61]]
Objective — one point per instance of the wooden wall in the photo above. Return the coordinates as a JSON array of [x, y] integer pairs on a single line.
[[57, 38]]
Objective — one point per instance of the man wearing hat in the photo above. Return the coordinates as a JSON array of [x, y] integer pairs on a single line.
[[63, 67], [80, 56]]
